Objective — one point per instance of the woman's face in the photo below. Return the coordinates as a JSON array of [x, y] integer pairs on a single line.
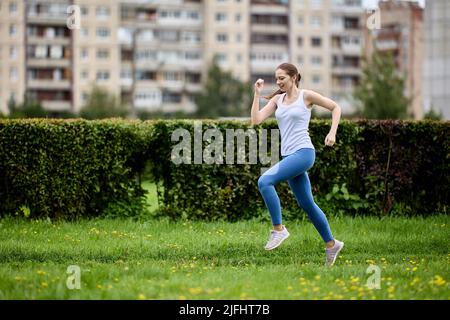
[[284, 81]]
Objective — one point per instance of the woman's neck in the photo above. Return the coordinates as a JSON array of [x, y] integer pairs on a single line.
[[293, 92]]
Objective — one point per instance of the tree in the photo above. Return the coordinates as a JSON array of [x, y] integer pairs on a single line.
[[30, 108], [101, 104], [381, 89], [223, 95], [433, 114]]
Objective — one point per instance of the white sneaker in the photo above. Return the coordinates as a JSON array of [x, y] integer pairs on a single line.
[[333, 252], [276, 238]]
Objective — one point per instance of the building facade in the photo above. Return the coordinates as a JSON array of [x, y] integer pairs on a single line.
[[154, 55], [401, 34], [437, 57]]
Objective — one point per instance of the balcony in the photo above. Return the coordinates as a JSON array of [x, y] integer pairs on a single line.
[[61, 105], [47, 62], [347, 6], [49, 41], [48, 84], [48, 13], [272, 6]]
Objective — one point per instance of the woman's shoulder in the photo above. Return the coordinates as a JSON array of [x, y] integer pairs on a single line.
[[307, 97]]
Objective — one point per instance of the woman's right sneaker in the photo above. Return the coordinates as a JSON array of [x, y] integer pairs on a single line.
[[333, 252], [276, 238]]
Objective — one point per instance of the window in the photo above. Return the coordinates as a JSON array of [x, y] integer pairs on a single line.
[[316, 4], [316, 79], [13, 74], [316, 21], [125, 75], [84, 54], [102, 75], [238, 17], [13, 8], [238, 37], [300, 41], [84, 33], [12, 30], [102, 33], [221, 58], [102, 54], [170, 97], [168, 35], [193, 15], [316, 60], [316, 42], [84, 75], [300, 59], [222, 37], [84, 11], [221, 17], [56, 52], [192, 55], [191, 37], [13, 53], [301, 20], [171, 76], [102, 12], [41, 51]]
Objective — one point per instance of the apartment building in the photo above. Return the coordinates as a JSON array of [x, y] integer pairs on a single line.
[[162, 44], [402, 35], [12, 52], [155, 54], [436, 79]]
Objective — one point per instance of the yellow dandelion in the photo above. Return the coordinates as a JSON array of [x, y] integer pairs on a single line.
[[289, 288], [195, 291], [317, 277], [438, 280], [44, 284], [141, 297]]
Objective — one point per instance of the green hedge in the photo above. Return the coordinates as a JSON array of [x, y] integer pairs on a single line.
[[375, 168], [72, 168]]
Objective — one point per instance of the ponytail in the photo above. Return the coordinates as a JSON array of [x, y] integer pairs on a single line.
[[273, 94]]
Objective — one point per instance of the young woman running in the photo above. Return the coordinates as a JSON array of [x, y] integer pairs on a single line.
[[292, 108]]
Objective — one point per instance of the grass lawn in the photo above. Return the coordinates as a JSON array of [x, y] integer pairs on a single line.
[[159, 259]]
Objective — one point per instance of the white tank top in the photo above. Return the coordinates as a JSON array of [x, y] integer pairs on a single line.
[[293, 121]]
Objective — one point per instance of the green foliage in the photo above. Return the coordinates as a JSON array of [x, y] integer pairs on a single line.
[[70, 168], [433, 114], [358, 176], [381, 89], [101, 104], [157, 259], [30, 108], [223, 95]]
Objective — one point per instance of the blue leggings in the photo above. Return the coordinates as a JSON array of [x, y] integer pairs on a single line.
[[293, 169]]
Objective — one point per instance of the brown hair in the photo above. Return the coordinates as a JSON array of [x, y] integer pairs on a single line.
[[292, 71]]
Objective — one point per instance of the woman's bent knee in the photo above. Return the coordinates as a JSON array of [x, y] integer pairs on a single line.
[[263, 181]]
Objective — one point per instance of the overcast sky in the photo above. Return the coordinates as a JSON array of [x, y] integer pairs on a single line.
[[373, 3]]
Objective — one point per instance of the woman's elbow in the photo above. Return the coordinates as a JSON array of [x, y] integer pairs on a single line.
[[255, 122]]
